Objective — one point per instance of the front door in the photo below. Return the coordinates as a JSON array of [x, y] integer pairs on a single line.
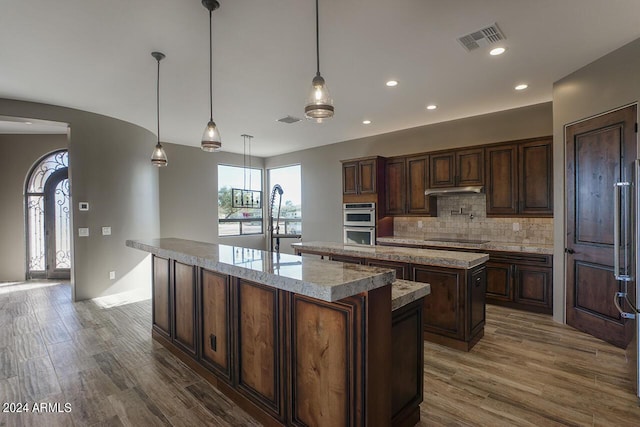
[[57, 226], [599, 153]]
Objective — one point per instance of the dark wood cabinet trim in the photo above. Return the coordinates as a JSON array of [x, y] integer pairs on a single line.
[[156, 298], [189, 347]]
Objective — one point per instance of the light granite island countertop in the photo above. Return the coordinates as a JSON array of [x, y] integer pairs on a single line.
[[436, 258], [302, 275]]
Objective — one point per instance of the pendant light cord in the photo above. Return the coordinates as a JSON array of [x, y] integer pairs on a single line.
[[210, 64], [317, 41], [158, 101]]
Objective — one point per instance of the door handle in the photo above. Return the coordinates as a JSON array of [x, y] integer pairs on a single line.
[[623, 313], [617, 187], [569, 251]]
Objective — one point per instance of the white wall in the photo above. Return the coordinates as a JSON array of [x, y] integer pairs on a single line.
[[606, 84], [109, 167]]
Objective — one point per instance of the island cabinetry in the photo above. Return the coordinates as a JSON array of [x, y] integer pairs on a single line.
[[345, 258], [521, 280], [184, 295], [454, 313], [403, 270], [519, 178], [260, 345], [215, 306], [161, 298], [457, 168]]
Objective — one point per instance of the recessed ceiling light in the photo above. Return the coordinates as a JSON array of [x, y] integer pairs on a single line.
[[392, 83], [431, 107], [497, 51], [366, 122], [28, 123], [521, 87]]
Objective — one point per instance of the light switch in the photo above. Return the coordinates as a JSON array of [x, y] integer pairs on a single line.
[[106, 231], [83, 232], [112, 275], [83, 206]]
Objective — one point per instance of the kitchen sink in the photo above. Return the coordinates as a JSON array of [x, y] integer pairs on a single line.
[[456, 240]]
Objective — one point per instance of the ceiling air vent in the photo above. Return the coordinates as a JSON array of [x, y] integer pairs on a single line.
[[289, 119], [483, 37]]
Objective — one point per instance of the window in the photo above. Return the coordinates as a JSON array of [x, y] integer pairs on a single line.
[[238, 221], [290, 179]]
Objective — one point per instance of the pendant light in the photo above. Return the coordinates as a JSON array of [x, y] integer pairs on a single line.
[[319, 105], [211, 137], [159, 157]]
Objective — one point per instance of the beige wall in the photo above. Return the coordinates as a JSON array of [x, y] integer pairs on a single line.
[[109, 168], [606, 84], [321, 168], [189, 195], [18, 154]]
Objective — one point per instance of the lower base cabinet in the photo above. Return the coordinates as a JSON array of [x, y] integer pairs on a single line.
[[288, 359], [520, 280]]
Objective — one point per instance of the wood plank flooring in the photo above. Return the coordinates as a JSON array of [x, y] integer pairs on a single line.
[[526, 371]]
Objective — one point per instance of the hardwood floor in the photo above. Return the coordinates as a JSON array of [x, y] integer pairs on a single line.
[[526, 371]]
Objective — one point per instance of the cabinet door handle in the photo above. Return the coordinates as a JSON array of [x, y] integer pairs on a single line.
[[478, 282], [213, 342]]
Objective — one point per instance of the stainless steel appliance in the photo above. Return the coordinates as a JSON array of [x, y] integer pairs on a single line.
[[359, 223], [626, 235], [360, 235], [359, 214]]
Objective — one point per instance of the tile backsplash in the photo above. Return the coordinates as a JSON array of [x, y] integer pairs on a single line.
[[465, 216]]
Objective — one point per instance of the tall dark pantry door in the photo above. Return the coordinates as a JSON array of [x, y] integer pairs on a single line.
[[599, 152]]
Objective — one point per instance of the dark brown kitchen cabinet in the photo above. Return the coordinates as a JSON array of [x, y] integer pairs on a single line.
[[519, 178], [406, 179], [360, 176], [161, 297], [347, 259], [184, 310], [454, 313], [215, 309], [520, 280], [403, 270], [457, 168], [396, 183]]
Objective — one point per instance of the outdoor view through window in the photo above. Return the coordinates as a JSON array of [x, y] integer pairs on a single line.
[[234, 221], [289, 178]]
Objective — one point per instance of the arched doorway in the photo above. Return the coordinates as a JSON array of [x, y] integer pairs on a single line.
[[48, 225]]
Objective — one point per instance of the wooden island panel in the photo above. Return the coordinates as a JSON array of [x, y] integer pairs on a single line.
[[215, 302], [185, 307], [161, 297]]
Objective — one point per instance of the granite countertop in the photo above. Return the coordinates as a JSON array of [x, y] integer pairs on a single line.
[[535, 248], [328, 281], [451, 259], [404, 292]]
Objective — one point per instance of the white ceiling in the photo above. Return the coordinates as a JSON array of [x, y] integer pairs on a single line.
[[95, 56]]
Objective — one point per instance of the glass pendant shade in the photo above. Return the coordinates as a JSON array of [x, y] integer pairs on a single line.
[[211, 137], [319, 105], [159, 157]]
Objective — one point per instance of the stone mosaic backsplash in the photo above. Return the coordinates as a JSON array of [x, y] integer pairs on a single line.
[[465, 216]]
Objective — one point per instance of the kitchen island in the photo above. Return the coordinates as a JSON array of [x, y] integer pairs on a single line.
[[293, 340], [454, 313]]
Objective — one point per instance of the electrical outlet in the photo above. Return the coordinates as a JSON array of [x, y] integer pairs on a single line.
[[83, 232], [106, 231], [516, 226], [112, 275], [419, 224]]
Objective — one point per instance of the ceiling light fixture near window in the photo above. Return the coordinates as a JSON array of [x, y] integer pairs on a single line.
[[159, 157], [521, 86], [28, 123], [431, 107], [497, 51], [392, 83], [211, 140], [319, 105], [366, 122]]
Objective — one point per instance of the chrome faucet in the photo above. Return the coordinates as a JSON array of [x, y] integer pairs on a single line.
[[276, 189]]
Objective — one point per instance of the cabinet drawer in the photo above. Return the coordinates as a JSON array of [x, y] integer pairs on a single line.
[[522, 258]]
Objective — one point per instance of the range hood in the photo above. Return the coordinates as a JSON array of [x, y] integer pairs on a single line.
[[472, 189]]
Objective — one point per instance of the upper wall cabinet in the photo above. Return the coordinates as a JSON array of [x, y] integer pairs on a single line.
[[360, 176], [406, 179], [519, 178], [457, 168]]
